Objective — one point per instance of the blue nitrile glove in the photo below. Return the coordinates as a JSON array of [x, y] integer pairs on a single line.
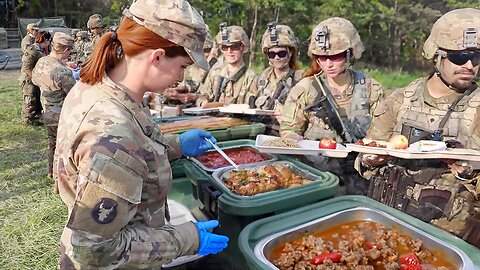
[[76, 73], [193, 143], [210, 243]]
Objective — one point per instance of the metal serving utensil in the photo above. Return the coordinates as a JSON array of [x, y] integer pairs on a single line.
[[220, 151]]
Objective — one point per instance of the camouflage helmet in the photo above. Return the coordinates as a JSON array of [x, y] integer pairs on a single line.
[[74, 32], [333, 36], [278, 35], [63, 39], [232, 34], [82, 34], [32, 26], [209, 43], [95, 21], [456, 30], [173, 20]]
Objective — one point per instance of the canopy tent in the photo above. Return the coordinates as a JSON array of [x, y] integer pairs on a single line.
[[52, 22]]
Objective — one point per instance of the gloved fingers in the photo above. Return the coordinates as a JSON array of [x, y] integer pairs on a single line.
[[207, 225], [204, 146], [217, 246], [213, 139], [204, 134]]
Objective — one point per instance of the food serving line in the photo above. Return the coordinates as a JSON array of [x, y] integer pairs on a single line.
[[259, 216]]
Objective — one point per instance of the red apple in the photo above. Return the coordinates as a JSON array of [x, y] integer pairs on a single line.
[[399, 142], [327, 143]]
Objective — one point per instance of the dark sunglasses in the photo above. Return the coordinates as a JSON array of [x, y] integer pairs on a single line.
[[233, 47], [281, 54], [334, 58], [462, 57]]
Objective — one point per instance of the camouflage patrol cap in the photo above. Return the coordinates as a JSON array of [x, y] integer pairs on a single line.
[[63, 39], [232, 34], [74, 32], [333, 36], [174, 20], [280, 35], [32, 26], [82, 34], [456, 30], [95, 21]]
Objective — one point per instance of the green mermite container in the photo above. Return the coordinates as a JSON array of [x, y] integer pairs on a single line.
[[234, 212], [178, 168], [259, 238]]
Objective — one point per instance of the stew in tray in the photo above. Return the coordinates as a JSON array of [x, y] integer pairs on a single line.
[[358, 245], [243, 155]]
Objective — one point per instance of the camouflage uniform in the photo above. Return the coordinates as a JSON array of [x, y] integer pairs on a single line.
[[29, 38], [55, 81], [429, 190], [112, 163], [355, 105], [78, 52], [234, 91], [32, 107], [94, 21]]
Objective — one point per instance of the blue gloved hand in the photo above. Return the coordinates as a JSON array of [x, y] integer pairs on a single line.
[[193, 143], [210, 243], [76, 73]]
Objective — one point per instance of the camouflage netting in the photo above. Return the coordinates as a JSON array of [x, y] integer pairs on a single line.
[[3, 39]]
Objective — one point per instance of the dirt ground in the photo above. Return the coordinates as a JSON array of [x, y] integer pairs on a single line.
[[9, 74]]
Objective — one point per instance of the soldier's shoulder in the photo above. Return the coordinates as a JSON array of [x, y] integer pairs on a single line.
[[304, 85], [250, 73], [414, 88]]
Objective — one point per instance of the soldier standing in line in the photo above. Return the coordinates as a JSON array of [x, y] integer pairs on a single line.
[[81, 41], [32, 106], [272, 86], [229, 84], [333, 100], [445, 105], [29, 38], [55, 81], [112, 161], [95, 26]]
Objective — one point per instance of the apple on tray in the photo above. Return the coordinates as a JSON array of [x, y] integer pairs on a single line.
[[327, 143], [398, 142]]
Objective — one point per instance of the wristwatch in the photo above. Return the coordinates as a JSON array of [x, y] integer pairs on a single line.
[[468, 173]]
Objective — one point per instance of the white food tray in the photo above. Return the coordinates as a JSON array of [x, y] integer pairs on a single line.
[[308, 147], [199, 110], [244, 109]]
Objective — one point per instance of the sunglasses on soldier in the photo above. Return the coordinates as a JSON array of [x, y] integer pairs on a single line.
[[281, 54], [334, 58], [462, 57], [233, 47]]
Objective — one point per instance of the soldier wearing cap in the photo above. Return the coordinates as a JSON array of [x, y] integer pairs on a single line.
[[55, 81], [445, 105], [272, 86], [32, 107], [112, 161], [78, 53], [230, 83], [95, 26], [29, 38], [332, 100]]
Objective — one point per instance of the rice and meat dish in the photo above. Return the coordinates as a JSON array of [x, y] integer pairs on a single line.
[[281, 142], [242, 155], [262, 179], [358, 245]]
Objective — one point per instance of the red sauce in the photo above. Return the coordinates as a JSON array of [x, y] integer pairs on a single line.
[[213, 160]]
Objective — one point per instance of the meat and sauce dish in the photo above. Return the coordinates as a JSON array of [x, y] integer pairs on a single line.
[[243, 155], [371, 143], [262, 179], [358, 245]]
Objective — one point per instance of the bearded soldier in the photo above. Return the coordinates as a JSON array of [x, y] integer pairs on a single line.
[[229, 84], [333, 100], [272, 86], [442, 106]]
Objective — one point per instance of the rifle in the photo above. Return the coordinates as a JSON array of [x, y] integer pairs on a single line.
[[325, 108], [222, 82]]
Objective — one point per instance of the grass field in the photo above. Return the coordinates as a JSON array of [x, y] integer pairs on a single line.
[[32, 216]]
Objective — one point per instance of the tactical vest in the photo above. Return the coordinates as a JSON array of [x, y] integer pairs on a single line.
[[221, 85], [263, 97], [414, 110], [357, 121]]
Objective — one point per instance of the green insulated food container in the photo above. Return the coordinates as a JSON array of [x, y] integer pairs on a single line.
[[258, 240], [234, 211]]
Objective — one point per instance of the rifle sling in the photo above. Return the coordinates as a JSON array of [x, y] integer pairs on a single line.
[[450, 110], [278, 90], [234, 78]]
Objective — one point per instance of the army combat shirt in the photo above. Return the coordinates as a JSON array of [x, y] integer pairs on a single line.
[[113, 173], [296, 120]]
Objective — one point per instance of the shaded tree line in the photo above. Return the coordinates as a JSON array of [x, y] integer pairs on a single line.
[[393, 31]]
